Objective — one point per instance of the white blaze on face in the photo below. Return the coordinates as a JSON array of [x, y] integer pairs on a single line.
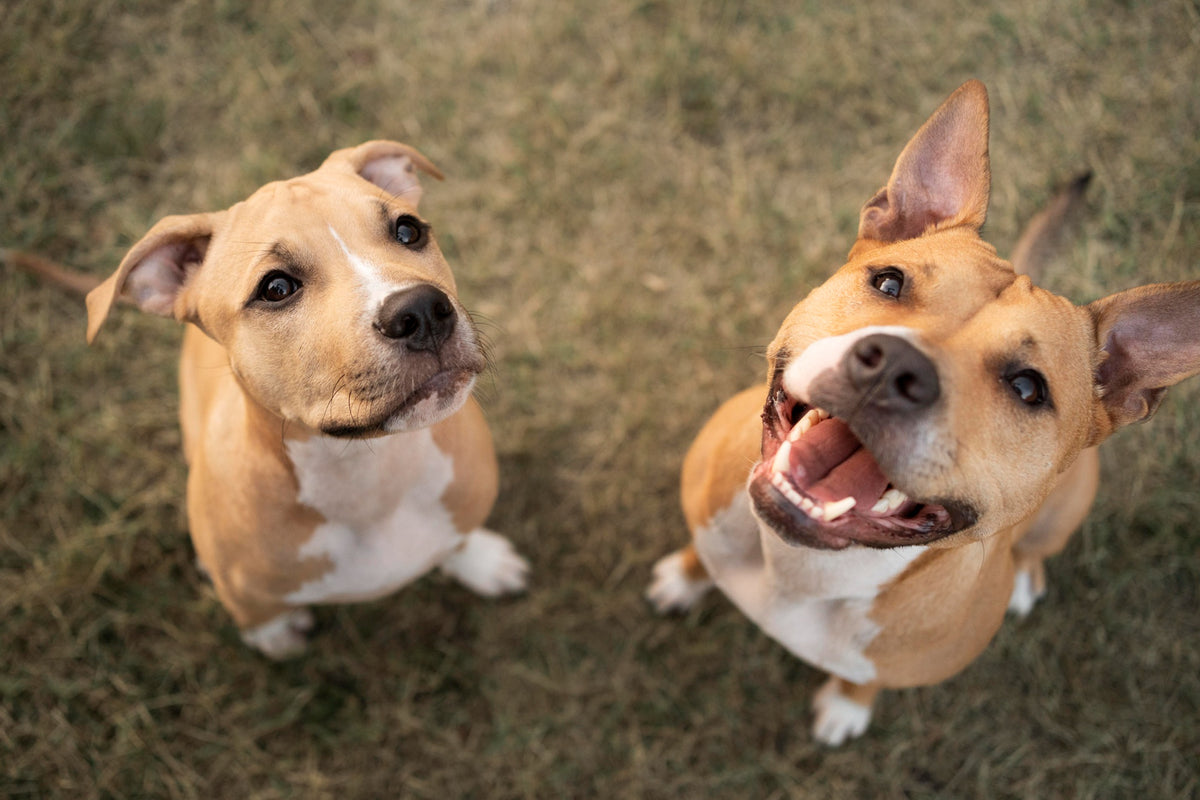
[[826, 354], [370, 277]]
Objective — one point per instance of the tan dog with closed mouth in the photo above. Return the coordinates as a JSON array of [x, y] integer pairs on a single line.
[[927, 439], [334, 451]]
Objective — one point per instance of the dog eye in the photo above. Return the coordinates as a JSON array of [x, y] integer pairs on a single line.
[[1030, 387], [888, 281], [276, 287], [408, 231]]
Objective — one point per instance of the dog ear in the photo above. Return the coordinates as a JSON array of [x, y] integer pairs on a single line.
[[942, 176], [391, 166], [154, 270], [1148, 342]]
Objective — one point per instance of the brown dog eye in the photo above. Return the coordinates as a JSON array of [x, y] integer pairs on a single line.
[[408, 231], [276, 287], [888, 281], [1030, 387]]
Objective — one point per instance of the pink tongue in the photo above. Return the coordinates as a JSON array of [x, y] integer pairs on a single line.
[[829, 463], [858, 477]]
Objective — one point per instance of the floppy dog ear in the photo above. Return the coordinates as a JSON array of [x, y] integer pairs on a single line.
[[391, 166], [1149, 341], [942, 176], [155, 270]]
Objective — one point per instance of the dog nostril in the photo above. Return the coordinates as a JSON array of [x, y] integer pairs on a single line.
[[408, 325], [911, 387], [869, 354]]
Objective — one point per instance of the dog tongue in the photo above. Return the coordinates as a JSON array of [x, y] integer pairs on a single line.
[[831, 464]]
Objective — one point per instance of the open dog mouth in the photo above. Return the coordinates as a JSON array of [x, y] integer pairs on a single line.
[[441, 390], [818, 485]]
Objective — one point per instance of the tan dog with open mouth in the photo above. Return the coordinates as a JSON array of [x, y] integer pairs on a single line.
[[334, 450], [928, 437]]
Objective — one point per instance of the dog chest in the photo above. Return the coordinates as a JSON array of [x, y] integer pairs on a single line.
[[816, 603], [384, 523]]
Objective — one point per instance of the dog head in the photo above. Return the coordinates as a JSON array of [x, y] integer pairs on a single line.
[[328, 291], [927, 392]]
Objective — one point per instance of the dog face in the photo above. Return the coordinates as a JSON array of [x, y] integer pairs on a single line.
[[927, 393], [328, 292]]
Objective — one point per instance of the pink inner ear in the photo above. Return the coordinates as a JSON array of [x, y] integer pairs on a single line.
[[157, 279], [396, 175], [941, 176]]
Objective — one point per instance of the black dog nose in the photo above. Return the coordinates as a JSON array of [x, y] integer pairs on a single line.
[[891, 373], [422, 317]]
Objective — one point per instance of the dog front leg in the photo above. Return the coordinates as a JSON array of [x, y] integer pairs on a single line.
[[843, 710]]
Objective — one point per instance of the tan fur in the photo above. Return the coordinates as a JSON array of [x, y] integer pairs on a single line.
[[268, 387], [1020, 476]]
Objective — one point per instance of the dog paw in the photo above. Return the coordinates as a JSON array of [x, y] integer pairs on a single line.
[[672, 590], [488, 564], [283, 637], [838, 718], [1025, 594]]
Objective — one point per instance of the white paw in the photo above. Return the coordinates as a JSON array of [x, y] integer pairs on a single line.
[[1023, 595], [838, 718], [283, 637], [671, 589], [488, 564]]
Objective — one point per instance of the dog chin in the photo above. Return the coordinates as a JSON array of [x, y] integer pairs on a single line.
[[430, 410], [430, 403]]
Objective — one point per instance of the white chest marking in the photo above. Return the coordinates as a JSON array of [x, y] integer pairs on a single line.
[[381, 499], [816, 603]]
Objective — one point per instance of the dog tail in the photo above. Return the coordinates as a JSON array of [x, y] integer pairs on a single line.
[[1043, 235], [76, 282]]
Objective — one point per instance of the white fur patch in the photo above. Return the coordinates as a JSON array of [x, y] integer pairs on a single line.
[[488, 564], [371, 278], [385, 523], [826, 354], [1023, 598], [816, 603], [283, 636], [672, 590], [838, 718]]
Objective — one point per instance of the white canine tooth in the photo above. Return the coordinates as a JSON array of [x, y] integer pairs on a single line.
[[810, 418], [782, 462], [889, 501], [837, 508]]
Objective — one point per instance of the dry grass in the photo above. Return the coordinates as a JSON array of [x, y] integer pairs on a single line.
[[637, 193]]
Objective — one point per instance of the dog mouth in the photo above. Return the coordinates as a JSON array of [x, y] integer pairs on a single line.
[[819, 486], [432, 400]]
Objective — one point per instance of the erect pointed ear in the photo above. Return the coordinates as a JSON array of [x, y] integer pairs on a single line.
[[153, 272], [1149, 339], [391, 166], [942, 175]]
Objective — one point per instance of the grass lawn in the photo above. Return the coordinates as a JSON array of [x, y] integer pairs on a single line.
[[637, 192]]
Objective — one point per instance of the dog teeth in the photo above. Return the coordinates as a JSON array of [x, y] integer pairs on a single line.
[[781, 483], [782, 462], [826, 512], [889, 502], [837, 508], [810, 418]]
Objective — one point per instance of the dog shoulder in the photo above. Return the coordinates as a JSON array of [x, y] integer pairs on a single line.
[[719, 461]]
